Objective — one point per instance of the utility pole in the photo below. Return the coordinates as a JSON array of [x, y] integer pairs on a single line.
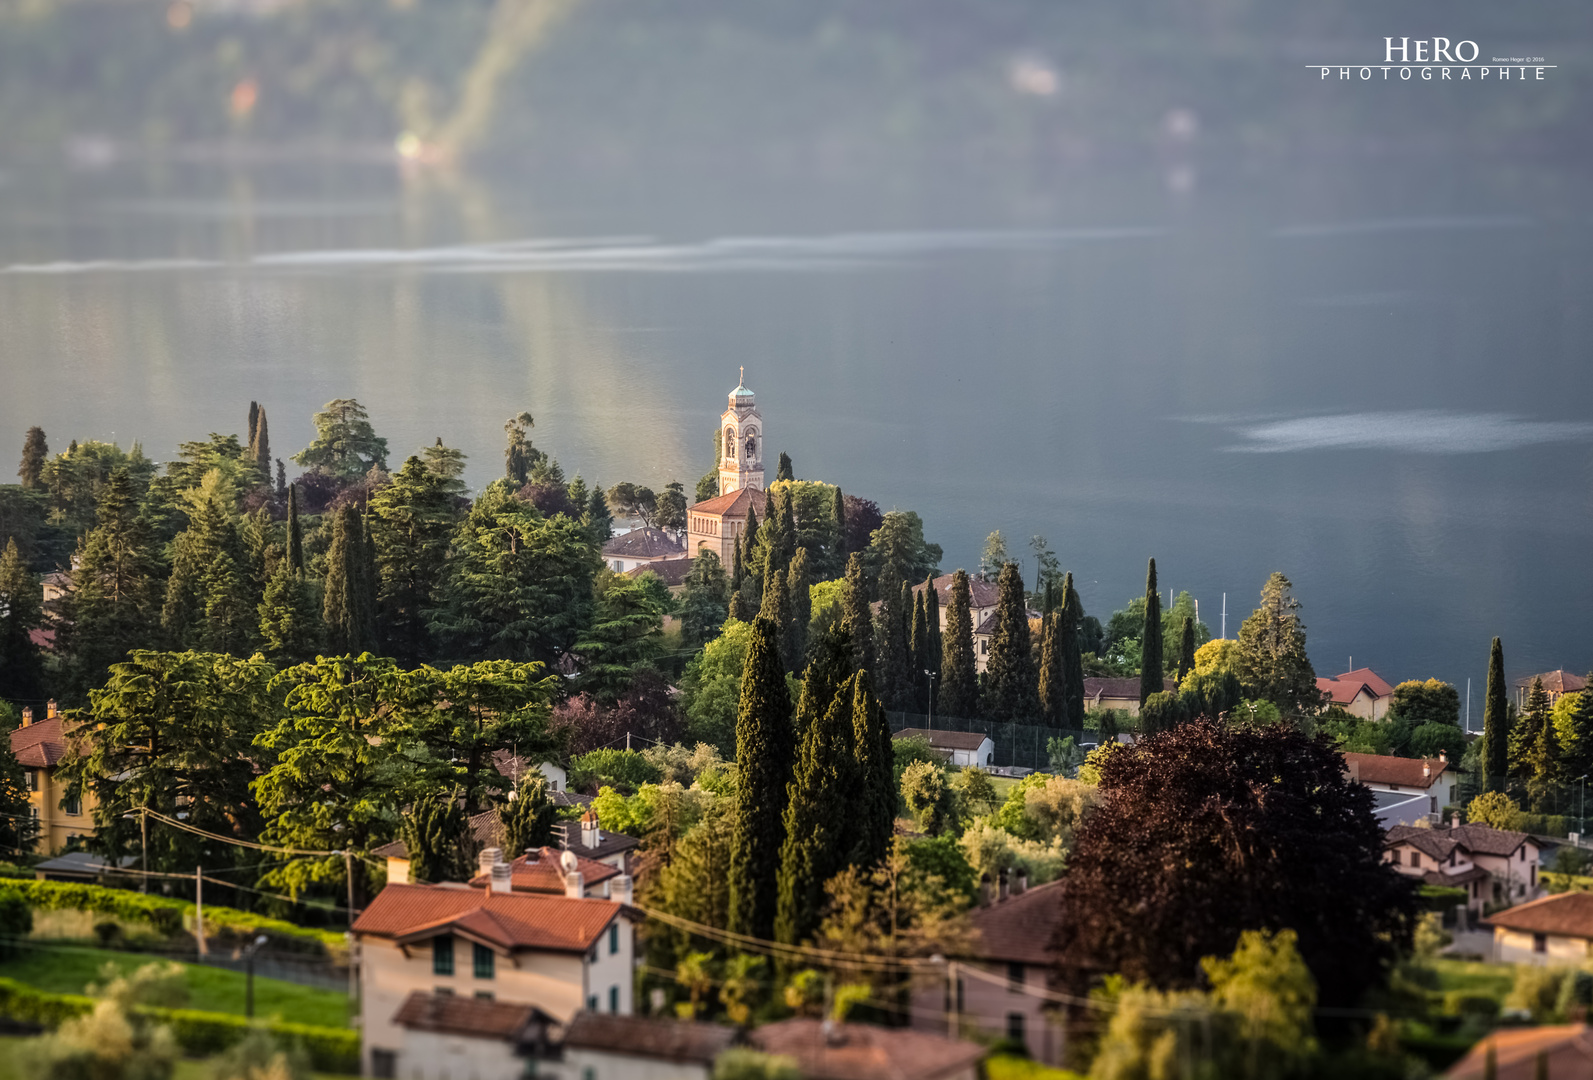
[[353, 961], [199, 909], [931, 674], [143, 854]]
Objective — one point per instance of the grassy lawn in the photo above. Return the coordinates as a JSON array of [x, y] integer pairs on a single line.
[[1002, 784], [187, 1068], [69, 970], [1012, 1067], [1475, 977]]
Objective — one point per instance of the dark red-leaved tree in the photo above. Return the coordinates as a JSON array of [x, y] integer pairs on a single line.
[[1205, 831]]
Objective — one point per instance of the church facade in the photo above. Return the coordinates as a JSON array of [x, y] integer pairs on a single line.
[[716, 524]]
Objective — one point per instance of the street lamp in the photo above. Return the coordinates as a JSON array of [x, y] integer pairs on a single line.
[[930, 672], [1581, 815], [248, 958]]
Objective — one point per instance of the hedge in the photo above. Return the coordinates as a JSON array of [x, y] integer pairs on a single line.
[[197, 1033], [170, 914]]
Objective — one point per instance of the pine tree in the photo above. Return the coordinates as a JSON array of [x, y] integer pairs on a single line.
[[856, 616], [1150, 664], [21, 611], [1011, 683], [959, 672], [704, 603], [815, 822], [350, 628], [412, 521], [1072, 654], [35, 452], [115, 592], [1526, 750], [1186, 648], [1495, 723], [291, 630], [765, 746], [295, 531], [875, 754], [797, 586], [529, 818], [208, 603], [1053, 672], [440, 842], [598, 520], [1273, 665], [777, 609]]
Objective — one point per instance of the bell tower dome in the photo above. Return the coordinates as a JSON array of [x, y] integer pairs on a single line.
[[741, 448]]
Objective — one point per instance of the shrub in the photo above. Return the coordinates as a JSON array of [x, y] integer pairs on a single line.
[[16, 920], [110, 935], [627, 770], [1538, 990], [1494, 808], [1470, 1003]]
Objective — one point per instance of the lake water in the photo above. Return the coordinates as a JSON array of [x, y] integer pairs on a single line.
[[1372, 376]]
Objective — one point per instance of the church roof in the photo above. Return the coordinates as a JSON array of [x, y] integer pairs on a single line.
[[734, 504]]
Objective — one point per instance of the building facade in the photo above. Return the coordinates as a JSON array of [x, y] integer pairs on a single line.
[[39, 746], [741, 432]]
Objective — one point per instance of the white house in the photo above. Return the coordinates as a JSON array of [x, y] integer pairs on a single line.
[[1423, 786], [962, 748], [558, 953], [1556, 930]]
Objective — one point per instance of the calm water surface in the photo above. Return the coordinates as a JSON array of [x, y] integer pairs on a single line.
[[1373, 377]]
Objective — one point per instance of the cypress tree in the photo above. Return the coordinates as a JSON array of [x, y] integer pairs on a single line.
[[784, 472], [1072, 654], [777, 609], [856, 616], [738, 607], [931, 656], [815, 821], [959, 672], [920, 649], [295, 532], [282, 480], [1495, 723], [254, 423], [529, 818], [797, 585], [440, 842], [737, 566], [765, 745], [894, 678], [875, 754], [1150, 665], [347, 607], [1011, 683], [752, 579], [1053, 672], [838, 512], [35, 451], [1186, 647], [260, 444]]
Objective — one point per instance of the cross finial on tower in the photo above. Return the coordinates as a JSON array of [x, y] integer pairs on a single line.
[[743, 380]]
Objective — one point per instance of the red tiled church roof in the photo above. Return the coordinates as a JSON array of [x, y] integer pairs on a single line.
[[734, 504]]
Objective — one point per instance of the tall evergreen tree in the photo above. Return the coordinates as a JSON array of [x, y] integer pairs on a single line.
[[519, 456], [797, 585], [894, 678], [920, 650], [115, 594], [1186, 647], [19, 826], [346, 447], [346, 610], [777, 609], [1150, 662], [1053, 672], [838, 512], [1011, 683], [705, 601], [959, 672], [875, 754], [1534, 748], [751, 568], [815, 816], [1495, 723], [784, 472], [260, 442], [1273, 665], [35, 452], [282, 480], [933, 649], [856, 616], [295, 531], [598, 519], [529, 818], [21, 603], [412, 522], [254, 420], [291, 630], [208, 603], [1072, 653], [439, 838], [765, 746]]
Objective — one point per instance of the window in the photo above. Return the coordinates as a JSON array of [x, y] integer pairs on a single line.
[[1434, 800], [1014, 977], [33, 779], [1415, 858], [73, 807], [384, 1064], [483, 961], [1015, 1027], [442, 956], [591, 1006], [613, 999], [1540, 943], [613, 939], [960, 1007]]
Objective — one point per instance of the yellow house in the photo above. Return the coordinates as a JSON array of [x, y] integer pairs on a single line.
[[39, 748]]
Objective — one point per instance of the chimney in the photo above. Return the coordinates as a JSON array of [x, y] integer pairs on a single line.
[[1020, 881], [621, 889], [591, 835], [50, 713], [984, 890], [27, 717], [1427, 769], [489, 858], [574, 886], [532, 855], [501, 881], [1001, 885], [1443, 755]]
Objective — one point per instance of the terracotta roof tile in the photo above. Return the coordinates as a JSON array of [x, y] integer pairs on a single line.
[[1556, 682], [452, 1015], [944, 740], [669, 571], [545, 875], [648, 1037], [40, 745], [1569, 914], [1396, 771], [1568, 1049], [510, 921], [1020, 928], [734, 504], [981, 593], [1374, 682], [645, 543], [865, 1052]]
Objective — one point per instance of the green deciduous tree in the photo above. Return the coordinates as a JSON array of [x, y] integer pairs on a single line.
[[1495, 723], [1011, 682], [346, 447], [1150, 649], [1415, 702], [959, 673], [1273, 665], [671, 514], [765, 747]]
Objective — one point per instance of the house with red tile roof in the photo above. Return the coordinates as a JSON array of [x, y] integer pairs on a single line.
[[824, 1050], [449, 1035], [559, 954], [1362, 692], [1554, 929], [1527, 1054], [604, 1046], [39, 746], [1011, 953], [1494, 866], [1557, 683], [1405, 789]]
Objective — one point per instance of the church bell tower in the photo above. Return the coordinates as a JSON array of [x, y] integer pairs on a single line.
[[741, 453]]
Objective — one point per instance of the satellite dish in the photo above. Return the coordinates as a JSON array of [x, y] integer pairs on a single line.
[[567, 860]]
